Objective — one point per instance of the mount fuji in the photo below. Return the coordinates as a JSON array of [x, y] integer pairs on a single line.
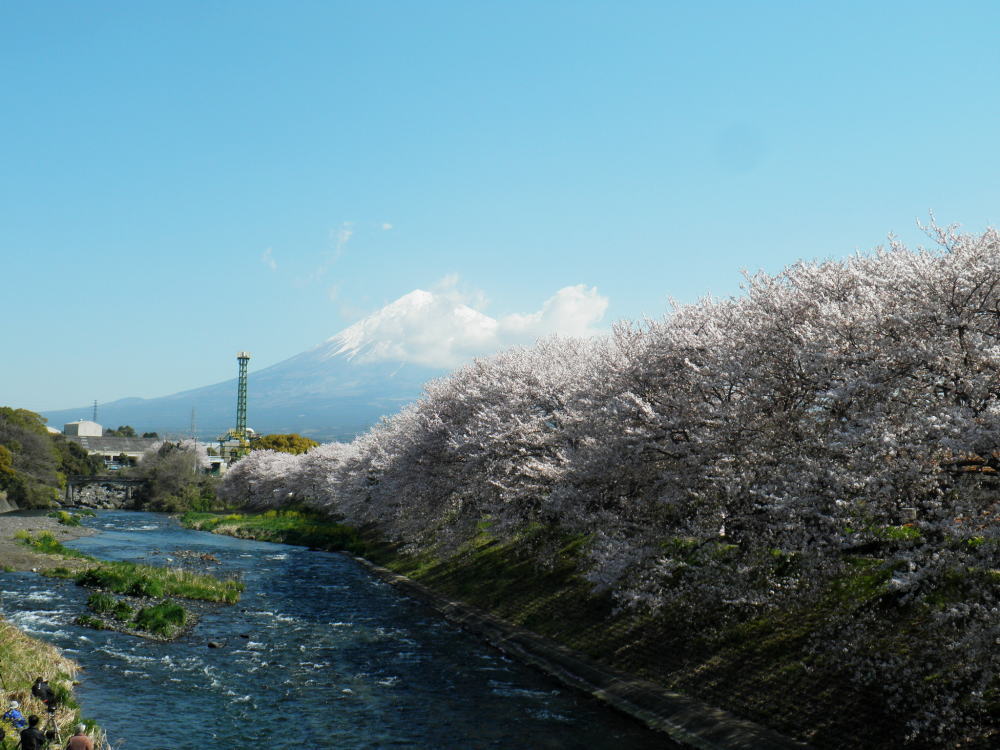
[[370, 369]]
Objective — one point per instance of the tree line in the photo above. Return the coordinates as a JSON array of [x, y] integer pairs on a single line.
[[34, 463]]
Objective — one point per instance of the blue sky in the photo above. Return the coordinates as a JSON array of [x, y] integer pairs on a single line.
[[182, 180]]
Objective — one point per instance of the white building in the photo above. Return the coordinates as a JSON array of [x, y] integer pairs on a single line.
[[83, 428]]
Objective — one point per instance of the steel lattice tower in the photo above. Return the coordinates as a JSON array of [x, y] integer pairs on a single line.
[[241, 395]]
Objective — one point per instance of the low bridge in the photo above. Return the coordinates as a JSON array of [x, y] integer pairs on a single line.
[[73, 481]]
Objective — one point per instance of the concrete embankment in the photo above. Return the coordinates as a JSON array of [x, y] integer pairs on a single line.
[[551, 618], [687, 721]]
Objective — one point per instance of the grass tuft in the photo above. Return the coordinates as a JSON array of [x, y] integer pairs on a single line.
[[299, 527], [162, 619], [46, 543], [65, 518], [149, 581]]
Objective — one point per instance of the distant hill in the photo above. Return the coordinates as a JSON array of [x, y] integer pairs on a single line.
[[332, 392]]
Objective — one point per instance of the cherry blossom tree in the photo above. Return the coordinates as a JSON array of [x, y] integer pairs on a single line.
[[736, 457]]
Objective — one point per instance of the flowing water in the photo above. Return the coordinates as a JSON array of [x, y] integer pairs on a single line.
[[317, 654]]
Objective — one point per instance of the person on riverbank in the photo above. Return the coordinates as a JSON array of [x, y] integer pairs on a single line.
[[42, 691], [80, 740], [14, 716], [32, 738]]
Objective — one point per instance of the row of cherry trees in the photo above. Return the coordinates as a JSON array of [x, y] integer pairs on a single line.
[[736, 457]]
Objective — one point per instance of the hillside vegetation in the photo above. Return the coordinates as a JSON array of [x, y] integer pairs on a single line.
[[34, 462], [811, 465]]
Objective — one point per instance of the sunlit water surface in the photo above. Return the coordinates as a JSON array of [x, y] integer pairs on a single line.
[[317, 654]]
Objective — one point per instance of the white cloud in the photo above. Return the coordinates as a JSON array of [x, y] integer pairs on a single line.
[[386, 226], [268, 260], [442, 328], [342, 235], [572, 311], [339, 238]]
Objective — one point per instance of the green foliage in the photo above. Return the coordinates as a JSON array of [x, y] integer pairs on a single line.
[[31, 476], [207, 521], [162, 619], [111, 578], [47, 543], [74, 459], [145, 587], [101, 602], [174, 480], [34, 462], [105, 604], [63, 695], [904, 533], [149, 581], [150, 435], [6, 462], [122, 431], [199, 496], [865, 580], [89, 621], [65, 518], [286, 443], [298, 527], [28, 420]]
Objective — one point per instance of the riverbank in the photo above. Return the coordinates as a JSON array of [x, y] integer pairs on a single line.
[[687, 721], [17, 556], [776, 671], [551, 620], [23, 658]]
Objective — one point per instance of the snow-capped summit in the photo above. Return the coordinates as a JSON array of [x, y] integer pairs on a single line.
[[421, 328]]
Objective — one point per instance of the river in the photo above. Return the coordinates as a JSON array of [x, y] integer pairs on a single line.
[[317, 654]]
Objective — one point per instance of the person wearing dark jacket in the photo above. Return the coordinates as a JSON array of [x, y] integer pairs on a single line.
[[32, 738], [42, 691]]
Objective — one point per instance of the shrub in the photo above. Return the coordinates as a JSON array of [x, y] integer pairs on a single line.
[[88, 621], [161, 619], [101, 602], [66, 519]]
